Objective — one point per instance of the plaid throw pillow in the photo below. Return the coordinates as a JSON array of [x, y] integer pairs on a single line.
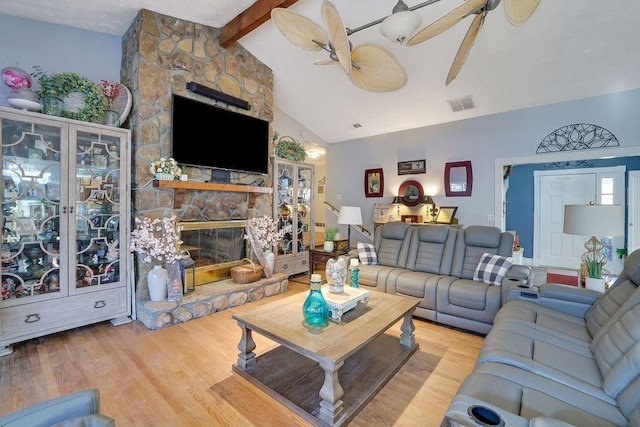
[[492, 268], [367, 253]]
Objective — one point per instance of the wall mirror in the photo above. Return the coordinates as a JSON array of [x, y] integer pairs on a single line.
[[458, 179], [411, 193]]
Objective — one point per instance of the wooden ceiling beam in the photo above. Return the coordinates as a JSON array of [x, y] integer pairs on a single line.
[[249, 20]]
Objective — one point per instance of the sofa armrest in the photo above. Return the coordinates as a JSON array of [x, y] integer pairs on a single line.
[[547, 422], [519, 272], [567, 299], [59, 409], [569, 293]]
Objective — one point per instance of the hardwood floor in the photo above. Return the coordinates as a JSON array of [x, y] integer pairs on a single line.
[[181, 376]]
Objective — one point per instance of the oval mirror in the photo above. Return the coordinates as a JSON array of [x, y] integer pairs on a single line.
[[411, 193]]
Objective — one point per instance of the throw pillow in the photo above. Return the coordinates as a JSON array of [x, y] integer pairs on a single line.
[[367, 253], [492, 268]]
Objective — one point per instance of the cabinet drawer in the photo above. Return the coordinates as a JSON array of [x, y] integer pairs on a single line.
[[286, 265], [322, 258], [302, 263], [27, 321]]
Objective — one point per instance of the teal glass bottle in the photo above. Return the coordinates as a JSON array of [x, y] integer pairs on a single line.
[[315, 309], [354, 277]]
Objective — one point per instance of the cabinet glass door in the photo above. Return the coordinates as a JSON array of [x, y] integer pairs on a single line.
[[31, 200], [303, 207], [96, 185], [285, 201]]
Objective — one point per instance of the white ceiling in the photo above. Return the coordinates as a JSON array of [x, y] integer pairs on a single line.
[[568, 49]]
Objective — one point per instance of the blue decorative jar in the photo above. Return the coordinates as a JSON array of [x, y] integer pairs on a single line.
[[315, 309]]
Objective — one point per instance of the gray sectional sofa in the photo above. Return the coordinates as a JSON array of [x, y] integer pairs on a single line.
[[558, 356], [435, 264]]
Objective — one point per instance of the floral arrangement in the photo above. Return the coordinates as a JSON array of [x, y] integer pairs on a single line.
[[157, 240], [265, 231], [15, 78], [163, 165], [110, 90]]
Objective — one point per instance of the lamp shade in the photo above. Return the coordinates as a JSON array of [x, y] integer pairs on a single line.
[[350, 215], [428, 200], [594, 220], [400, 25]]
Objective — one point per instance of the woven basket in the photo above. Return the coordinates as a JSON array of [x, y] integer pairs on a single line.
[[246, 273]]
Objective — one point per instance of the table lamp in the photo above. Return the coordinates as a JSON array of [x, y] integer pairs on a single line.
[[594, 220], [397, 200], [350, 215]]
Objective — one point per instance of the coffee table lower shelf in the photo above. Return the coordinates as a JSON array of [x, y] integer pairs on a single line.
[[295, 380]]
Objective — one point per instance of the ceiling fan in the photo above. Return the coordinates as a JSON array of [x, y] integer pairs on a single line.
[[517, 12], [369, 66]]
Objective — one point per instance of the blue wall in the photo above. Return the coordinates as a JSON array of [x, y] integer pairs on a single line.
[[520, 197]]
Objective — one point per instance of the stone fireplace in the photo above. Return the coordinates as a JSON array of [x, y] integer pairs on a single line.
[[161, 54]]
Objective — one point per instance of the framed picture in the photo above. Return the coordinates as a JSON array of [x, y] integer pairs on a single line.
[[25, 225], [373, 183], [381, 212], [36, 211], [412, 167], [108, 189], [100, 160], [458, 179], [35, 153], [87, 191], [97, 195], [446, 214]]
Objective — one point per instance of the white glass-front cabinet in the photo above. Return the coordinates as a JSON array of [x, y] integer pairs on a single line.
[[293, 206], [65, 225]]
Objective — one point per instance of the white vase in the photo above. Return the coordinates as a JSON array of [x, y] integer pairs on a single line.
[[594, 284], [270, 258], [157, 282], [328, 245]]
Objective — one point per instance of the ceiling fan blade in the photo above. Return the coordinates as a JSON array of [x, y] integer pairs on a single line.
[[519, 11], [327, 61], [299, 30], [376, 69], [337, 35], [446, 21], [465, 46]]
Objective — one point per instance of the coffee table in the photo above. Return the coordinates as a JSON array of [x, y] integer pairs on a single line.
[[325, 375]]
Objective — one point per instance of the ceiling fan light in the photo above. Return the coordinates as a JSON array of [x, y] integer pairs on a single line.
[[400, 25]]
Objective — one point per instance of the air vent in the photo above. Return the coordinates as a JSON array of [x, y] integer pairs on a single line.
[[464, 103]]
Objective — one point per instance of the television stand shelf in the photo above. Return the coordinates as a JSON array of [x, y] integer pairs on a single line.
[[181, 187]]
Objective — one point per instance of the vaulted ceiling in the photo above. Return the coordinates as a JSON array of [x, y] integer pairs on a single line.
[[567, 50]]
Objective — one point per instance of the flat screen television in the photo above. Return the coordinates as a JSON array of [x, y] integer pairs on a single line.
[[240, 142]]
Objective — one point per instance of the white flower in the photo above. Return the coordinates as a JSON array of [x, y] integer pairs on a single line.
[[165, 166], [156, 239], [265, 231]]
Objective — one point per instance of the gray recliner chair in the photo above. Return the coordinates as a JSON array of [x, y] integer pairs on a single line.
[[79, 409]]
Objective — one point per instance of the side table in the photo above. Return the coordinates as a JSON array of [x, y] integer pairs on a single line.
[[320, 256]]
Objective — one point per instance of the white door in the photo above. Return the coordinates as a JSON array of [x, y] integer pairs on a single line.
[[557, 189], [633, 211]]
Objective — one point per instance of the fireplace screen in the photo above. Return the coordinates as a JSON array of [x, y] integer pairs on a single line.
[[215, 246]]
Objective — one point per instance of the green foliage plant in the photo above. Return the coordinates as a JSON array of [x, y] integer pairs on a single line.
[[62, 84], [330, 233], [594, 268]]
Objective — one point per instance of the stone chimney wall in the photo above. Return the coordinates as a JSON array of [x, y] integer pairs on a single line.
[[160, 55]]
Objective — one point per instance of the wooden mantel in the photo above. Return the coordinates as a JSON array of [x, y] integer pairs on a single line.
[[181, 187]]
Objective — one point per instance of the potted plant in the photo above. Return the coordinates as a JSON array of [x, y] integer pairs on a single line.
[[594, 278], [330, 234]]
